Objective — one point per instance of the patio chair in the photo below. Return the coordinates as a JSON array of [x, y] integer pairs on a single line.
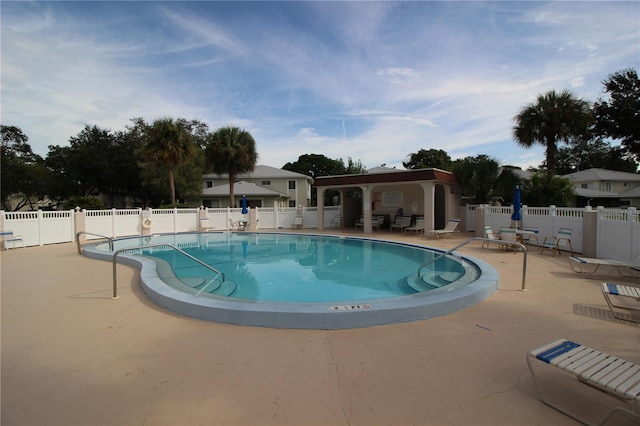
[[591, 266], [360, 223], [508, 238], [401, 222], [529, 235], [490, 236], [377, 222], [8, 237], [554, 243], [608, 374], [417, 227], [622, 298], [450, 228]]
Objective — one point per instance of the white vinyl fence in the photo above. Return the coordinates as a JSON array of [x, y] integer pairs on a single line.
[[617, 231], [616, 234]]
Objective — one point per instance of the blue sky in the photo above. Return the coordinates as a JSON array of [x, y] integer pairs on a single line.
[[374, 81]]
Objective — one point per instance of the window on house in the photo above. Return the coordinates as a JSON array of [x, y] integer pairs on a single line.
[[292, 185], [265, 182], [208, 184], [584, 186], [292, 203], [607, 186]]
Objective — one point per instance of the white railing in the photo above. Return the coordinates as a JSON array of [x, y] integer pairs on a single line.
[[617, 231]]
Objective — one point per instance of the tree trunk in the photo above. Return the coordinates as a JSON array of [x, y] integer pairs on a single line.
[[172, 187], [232, 196], [551, 162]]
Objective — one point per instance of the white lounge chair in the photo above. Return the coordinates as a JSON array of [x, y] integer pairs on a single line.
[[450, 228], [606, 373], [490, 237], [377, 222], [629, 297], [554, 243], [8, 237], [591, 266], [417, 227], [401, 222]]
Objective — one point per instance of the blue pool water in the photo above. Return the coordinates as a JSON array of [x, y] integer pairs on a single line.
[[302, 280]]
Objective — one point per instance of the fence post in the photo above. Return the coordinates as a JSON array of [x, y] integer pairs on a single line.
[[480, 220], [79, 223], [40, 226], [589, 232], [552, 216], [631, 217]]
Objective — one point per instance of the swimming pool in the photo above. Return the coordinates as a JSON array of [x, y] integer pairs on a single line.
[[301, 280]]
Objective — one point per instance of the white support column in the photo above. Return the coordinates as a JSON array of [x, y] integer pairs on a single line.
[[366, 209], [320, 203]]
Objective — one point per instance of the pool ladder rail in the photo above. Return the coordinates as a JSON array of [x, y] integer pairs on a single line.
[[110, 239], [464, 243], [138, 248]]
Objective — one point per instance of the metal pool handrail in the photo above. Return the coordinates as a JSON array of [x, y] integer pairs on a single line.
[[115, 255], [464, 243], [95, 235]]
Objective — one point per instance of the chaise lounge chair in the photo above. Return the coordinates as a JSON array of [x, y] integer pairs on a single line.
[[591, 265], [613, 376], [400, 223], [417, 227], [628, 295], [490, 237], [452, 227]]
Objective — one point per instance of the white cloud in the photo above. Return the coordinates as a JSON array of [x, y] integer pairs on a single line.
[[370, 81]]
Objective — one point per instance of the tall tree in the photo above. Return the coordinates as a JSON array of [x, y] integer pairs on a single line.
[[552, 119], [477, 176], [619, 118], [169, 145], [428, 158], [316, 165], [23, 176], [231, 150], [534, 193], [594, 154]]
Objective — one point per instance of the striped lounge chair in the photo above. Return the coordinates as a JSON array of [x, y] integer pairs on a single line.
[[613, 376], [629, 297]]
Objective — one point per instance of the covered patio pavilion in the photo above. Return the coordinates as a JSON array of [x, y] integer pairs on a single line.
[[432, 193]]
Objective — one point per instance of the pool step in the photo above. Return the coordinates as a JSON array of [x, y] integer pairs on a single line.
[[226, 288], [426, 283], [216, 287]]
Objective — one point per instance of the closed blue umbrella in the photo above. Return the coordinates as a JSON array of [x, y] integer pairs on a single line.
[[516, 216], [244, 205]]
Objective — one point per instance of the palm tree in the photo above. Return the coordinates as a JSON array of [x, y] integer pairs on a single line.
[[231, 150], [553, 118], [169, 144]]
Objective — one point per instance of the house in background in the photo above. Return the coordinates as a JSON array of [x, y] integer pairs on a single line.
[[264, 187], [607, 188]]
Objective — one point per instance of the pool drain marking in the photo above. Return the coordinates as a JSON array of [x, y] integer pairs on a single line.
[[349, 307]]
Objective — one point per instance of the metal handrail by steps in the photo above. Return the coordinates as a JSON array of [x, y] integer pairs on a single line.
[[464, 243], [95, 235], [195, 259]]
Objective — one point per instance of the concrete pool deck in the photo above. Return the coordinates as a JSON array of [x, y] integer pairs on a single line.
[[71, 355]]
